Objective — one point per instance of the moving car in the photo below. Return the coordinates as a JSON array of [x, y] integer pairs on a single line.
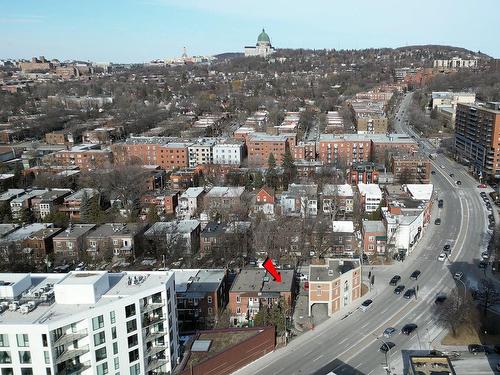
[[459, 182], [395, 279], [415, 275], [399, 289], [440, 299], [440, 203], [475, 349], [447, 247], [409, 293], [386, 346], [389, 331], [442, 166], [442, 257], [452, 175], [366, 304], [408, 328], [437, 221], [458, 275]]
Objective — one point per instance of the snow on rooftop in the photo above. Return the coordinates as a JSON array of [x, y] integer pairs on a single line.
[[343, 226], [420, 191]]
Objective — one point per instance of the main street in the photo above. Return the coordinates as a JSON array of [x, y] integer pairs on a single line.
[[350, 345]]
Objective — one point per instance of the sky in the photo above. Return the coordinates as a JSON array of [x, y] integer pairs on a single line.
[[123, 31]]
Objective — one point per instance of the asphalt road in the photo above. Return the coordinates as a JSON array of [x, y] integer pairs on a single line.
[[351, 345]]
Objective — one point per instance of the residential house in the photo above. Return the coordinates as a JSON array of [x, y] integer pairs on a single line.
[[254, 289], [371, 196], [72, 204], [374, 237], [344, 242], [337, 199], [211, 236], [69, 244], [265, 202], [190, 202], [39, 244], [48, 202], [300, 200], [336, 283], [181, 234], [224, 200], [117, 239], [24, 202]]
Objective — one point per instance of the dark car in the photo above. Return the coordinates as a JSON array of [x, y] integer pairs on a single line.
[[437, 221], [440, 299], [496, 349], [440, 203], [395, 279], [452, 175], [459, 182], [491, 217], [399, 289], [475, 349], [408, 329], [409, 293], [433, 172], [447, 247], [415, 275], [483, 265], [366, 304], [491, 226], [386, 346]]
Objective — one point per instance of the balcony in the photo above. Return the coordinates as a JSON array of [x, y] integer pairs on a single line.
[[150, 320], [156, 349], [70, 337], [154, 335], [152, 306], [155, 363], [72, 353], [75, 369]]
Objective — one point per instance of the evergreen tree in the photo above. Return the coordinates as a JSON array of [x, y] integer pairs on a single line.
[[272, 174], [258, 181], [25, 216], [152, 216], [85, 208], [290, 170]]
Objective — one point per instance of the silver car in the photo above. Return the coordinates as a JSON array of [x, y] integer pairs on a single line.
[[388, 332]]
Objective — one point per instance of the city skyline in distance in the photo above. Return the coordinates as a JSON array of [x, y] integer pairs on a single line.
[[138, 31]]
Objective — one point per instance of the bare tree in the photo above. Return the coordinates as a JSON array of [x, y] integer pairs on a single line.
[[455, 311], [487, 294]]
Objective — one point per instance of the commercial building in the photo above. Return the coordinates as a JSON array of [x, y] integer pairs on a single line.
[[254, 289], [477, 130], [88, 323], [336, 283], [430, 365], [455, 63]]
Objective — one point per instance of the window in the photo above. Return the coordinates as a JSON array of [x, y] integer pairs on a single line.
[[112, 317], [131, 325], [133, 355], [117, 363], [132, 341], [115, 348], [4, 340], [99, 338], [26, 371], [210, 310], [238, 310], [113, 333], [102, 369], [46, 356], [98, 322], [130, 310], [5, 357], [24, 357], [135, 369], [100, 354], [48, 371], [23, 340], [238, 299], [209, 299]]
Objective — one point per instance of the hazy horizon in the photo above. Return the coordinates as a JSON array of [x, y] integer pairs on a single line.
[[131, 31]]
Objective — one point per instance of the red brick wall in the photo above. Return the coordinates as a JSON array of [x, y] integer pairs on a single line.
[[238, 355]]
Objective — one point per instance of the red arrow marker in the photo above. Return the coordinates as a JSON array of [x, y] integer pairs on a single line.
[[269, 266]]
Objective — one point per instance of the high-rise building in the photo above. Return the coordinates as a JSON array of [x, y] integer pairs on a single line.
[[90, 322], [477, 134]]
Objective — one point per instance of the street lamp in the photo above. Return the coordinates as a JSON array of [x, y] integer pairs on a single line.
[[387, 366], [465, 288]]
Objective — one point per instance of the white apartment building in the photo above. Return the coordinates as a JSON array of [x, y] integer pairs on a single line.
[[371, 196], [228, 153], [86, 323], [201, 152], [455, 63], [189, 202]]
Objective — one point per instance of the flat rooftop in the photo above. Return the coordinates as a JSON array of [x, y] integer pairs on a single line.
[[332, 269], [259, 280]]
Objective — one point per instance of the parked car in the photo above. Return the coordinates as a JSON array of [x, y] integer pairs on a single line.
[[475, 349], [386, 346], [409, 293], [415, 275], [482, 265], [482, 186], [442, 257], [458, 275], [485, 255], [301, 277], [437, 221], [389, 331], [447, 247], [433, 172], [366, 304], [459, 182], [440, 203], [395, 279], [409, 328], [440, 299], [306, 285], [452, 175], [399, 289], [496, 349]]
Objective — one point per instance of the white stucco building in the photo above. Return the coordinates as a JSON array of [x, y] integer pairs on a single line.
[[189, 202], [263, 48], [371, 196], [228, 152], [88, 323], [201, 152]]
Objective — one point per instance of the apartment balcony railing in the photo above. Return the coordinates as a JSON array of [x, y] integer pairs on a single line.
[[156, 349], [72, 353], [75, 369], [154, 335], [155, 363], [70, 337], [152, 306], [150, 320]]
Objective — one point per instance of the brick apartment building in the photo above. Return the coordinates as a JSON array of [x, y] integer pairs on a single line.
[[382, 144], [477, 131], [344, 149], [374, 237], [337, 283], [254, 289], [60, 137], [410, 168], [365, 172], [84, 158], [69, 244], [261, 145]]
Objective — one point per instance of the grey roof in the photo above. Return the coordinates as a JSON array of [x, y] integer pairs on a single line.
[[11, 193], [79, 194], [116, 229], [332, 269], [5, 229], [74, 231], [302, 190], [252, 280], [26, 231], [225, 192], [373, 226], [178, 226]]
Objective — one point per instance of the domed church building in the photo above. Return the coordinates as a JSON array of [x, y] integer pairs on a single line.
[[263, 48]]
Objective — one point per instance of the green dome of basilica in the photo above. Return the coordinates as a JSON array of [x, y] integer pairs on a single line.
[[263, 37]]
